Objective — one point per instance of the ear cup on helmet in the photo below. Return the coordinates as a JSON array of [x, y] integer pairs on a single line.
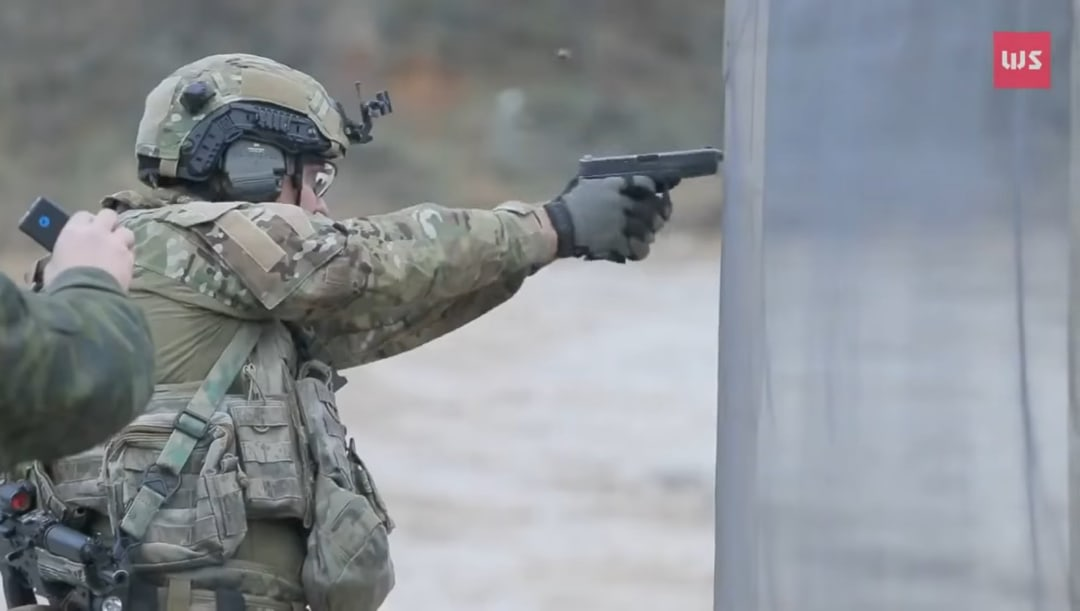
[[252, 172]]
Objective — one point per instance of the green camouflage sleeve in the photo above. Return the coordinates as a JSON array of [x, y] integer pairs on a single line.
[[344, 348], [381, 284], [78, 365]]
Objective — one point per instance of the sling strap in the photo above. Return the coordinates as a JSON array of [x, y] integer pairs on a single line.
[[162, 478]]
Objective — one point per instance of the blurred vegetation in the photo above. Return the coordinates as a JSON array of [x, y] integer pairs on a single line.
[[493, 100]]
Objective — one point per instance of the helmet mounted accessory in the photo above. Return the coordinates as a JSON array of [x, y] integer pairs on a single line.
[[360, 132]]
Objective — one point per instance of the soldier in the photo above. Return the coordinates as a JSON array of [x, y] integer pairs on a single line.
[[238, 488], [77, 359]]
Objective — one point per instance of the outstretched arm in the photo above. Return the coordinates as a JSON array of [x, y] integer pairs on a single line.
[[380, 285], [423, 256], [408, 329], [276, 261]]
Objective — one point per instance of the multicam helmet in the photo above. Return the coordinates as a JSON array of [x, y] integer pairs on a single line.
[[200, 111]]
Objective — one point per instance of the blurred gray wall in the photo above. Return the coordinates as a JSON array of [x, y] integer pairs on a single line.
[[893, 302], [1073, 431]]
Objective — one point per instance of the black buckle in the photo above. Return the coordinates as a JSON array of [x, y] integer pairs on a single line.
[[191, 424], [161, 481]]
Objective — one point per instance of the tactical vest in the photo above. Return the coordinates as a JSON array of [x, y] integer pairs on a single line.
[[182, 481]]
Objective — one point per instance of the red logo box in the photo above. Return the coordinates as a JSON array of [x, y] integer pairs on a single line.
[[1021, 60]]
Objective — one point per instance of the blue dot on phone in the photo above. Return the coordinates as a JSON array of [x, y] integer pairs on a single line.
[[43, 221]]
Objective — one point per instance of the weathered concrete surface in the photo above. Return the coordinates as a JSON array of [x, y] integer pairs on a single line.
[[894, 466]]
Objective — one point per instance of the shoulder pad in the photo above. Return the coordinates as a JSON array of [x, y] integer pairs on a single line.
[[196, 213], [272, 248]]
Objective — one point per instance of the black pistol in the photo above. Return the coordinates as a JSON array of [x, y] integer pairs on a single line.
[[667, 169]]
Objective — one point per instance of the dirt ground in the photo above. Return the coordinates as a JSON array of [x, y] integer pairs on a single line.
[[557, 454]]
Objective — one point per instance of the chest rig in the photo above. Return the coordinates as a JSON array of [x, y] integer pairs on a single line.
[[260, 438]]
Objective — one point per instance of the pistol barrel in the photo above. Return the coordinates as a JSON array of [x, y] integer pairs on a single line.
[[667, 165]]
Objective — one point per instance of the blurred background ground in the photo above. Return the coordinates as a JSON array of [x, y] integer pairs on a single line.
[[557, 454], [492, 100]]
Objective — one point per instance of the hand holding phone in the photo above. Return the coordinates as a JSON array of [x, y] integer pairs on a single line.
[[83, 240], [43, 222]]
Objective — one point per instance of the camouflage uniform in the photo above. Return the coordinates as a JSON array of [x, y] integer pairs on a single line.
[[274, 510], [78, 365], [238, 488]]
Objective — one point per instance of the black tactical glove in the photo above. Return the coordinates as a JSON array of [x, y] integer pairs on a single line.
[[611, 219]]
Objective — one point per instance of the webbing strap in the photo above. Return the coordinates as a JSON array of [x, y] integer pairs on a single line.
[[178, 595], [163, 477]]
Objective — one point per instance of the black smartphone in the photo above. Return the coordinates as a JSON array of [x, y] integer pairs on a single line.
[[43, 222]]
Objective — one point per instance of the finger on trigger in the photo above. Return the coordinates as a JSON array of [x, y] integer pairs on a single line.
[[649, 212], [645, 211], [666, 207], [641, 194]]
